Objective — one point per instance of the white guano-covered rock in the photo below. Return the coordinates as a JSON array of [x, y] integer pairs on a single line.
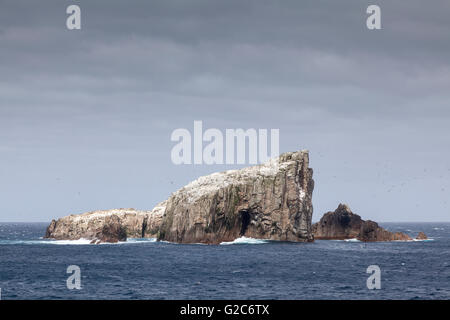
[[268, 201]]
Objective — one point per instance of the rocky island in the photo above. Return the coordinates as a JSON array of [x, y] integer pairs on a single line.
[[268, 201], [272, 201], [343, 224], [107, 225]]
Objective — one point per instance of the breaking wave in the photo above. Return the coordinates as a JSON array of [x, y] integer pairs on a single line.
[[352, 240], [245, 240]]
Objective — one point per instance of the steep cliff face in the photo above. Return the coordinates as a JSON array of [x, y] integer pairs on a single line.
[[344, 224], [107, 225], [269, 201]]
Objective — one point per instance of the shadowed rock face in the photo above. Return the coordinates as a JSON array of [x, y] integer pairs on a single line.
[[338, 225], [112, 231], [344, 224], [371, 231], [269, 201], [422, 236]]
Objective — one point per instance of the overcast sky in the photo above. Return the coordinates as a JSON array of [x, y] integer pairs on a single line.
[[86, 115]]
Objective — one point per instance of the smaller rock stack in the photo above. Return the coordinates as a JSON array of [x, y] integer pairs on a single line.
[[421, 236], [343, 224]]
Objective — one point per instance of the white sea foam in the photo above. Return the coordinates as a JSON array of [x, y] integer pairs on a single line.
[[140, 240], [245, 240], [54, 242], [77, 242], [352, 240], [67, 242], [343, 240]]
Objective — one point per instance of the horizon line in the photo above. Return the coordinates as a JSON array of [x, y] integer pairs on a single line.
[[311, 222]]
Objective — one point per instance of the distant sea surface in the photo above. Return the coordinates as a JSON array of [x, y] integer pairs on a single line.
[[33, 268]]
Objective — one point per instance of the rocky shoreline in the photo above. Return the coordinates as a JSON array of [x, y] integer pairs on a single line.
[[272, 201], [107, 225]]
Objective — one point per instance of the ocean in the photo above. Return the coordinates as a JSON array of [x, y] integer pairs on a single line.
[[34, 268]]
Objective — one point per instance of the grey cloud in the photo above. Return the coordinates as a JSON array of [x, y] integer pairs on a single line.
[[97, 106]]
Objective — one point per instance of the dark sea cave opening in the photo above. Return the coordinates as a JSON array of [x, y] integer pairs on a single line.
[[245, 221], [144, 228]]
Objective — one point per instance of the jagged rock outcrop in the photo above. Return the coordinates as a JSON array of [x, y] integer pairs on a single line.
[[371, 231], [269, 201], [338, 225], [344, 224], [112, 231], [107, 225], [422, 236]]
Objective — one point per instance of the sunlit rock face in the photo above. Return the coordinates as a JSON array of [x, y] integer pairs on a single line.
[[268, 201], [107, 225]]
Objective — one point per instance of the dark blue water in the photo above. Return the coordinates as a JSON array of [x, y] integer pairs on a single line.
[[32, 268]]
